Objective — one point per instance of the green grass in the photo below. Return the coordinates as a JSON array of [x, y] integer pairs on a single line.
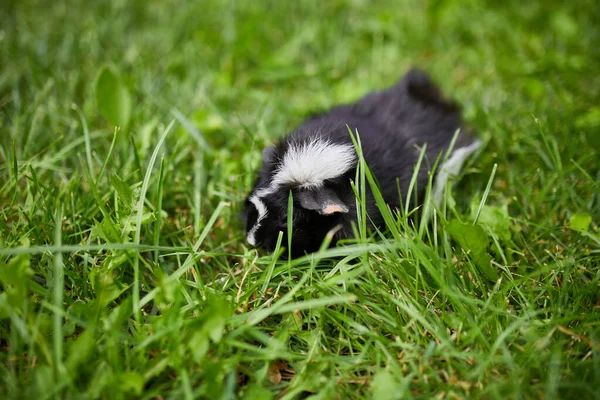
[[123, 267]]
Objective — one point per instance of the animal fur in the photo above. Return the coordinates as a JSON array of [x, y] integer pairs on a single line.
[[317, 162]]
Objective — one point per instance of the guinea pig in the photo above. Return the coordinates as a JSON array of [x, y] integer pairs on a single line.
[[317, 162]]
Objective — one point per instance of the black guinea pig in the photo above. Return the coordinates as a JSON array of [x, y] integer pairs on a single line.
[[317, 163]]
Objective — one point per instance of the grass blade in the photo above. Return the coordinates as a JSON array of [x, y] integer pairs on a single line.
[[138, 223], [58, 289], [485, 193]]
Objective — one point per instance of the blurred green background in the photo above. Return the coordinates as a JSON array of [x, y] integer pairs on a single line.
[[235, 75]]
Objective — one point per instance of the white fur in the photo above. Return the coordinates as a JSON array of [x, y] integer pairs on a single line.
[[262, 213], [309, 164], [306, 165], [451, 168]]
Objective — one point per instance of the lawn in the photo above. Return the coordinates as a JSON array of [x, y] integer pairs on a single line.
[[131, 132]]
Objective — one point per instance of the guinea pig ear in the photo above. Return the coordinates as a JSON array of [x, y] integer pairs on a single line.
[[323, 200]]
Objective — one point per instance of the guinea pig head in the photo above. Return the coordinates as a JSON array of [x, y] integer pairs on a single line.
[[317, 174]]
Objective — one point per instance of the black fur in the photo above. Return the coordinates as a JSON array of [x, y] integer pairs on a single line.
[[393, 125]]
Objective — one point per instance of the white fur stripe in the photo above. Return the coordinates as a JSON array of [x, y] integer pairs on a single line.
[[262, 213], [307, 165], [451, 168]]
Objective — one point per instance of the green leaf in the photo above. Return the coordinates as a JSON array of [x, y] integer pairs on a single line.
[[124, 191], [16, 271], [292, 321], [220, 311], [15, 278], [474, 240], [129, 222], [215, 327], [104, 286], [118, 316], [580, 221], [209, 326], [80, 350], [197, 343], [107, 230], [130, 381], [113, 98], [494, 219], [384, 386], [256, 392]]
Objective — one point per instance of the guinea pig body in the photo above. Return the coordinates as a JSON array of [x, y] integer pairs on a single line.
[[317, 162]]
